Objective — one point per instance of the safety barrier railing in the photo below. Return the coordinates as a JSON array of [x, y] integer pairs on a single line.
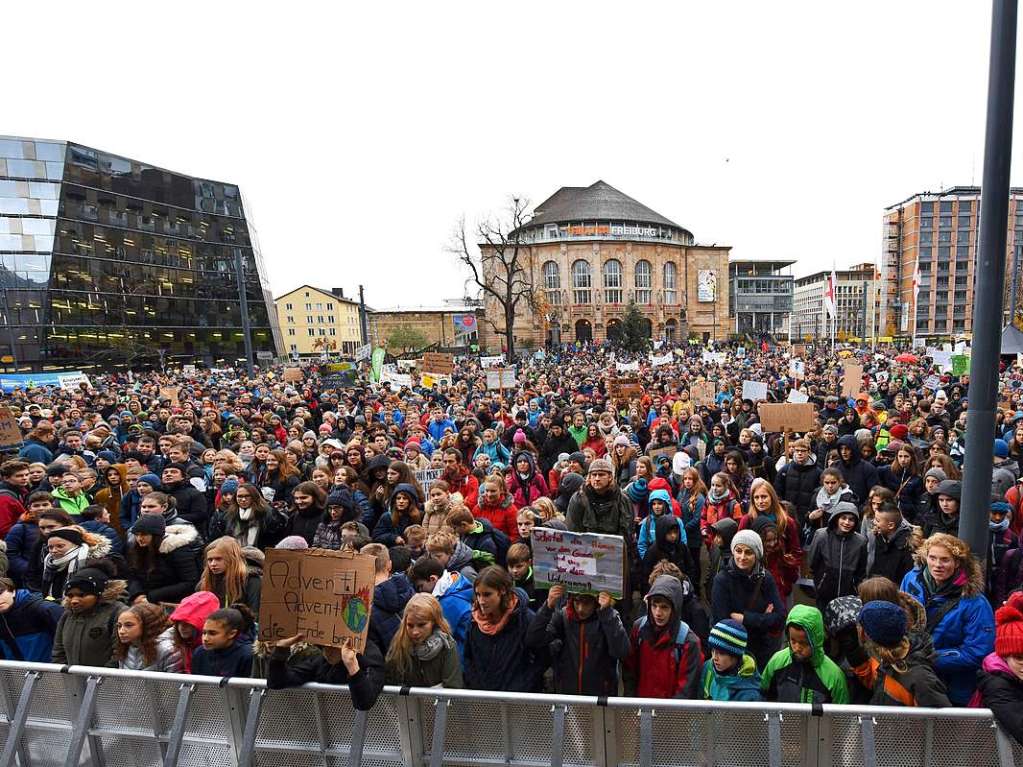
[[73, 716]]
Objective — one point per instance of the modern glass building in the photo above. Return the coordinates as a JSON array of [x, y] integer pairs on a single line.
[[108, 263]]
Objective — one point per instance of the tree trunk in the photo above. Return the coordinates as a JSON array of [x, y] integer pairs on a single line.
[[509, 332]]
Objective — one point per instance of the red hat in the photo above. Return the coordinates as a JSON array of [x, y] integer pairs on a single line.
[[900, 432], [1009, 627]]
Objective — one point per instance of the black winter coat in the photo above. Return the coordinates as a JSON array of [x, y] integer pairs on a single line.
[[891, 559], [553, 447], [734, 591], [304, 523], [176, 570], [365, 686], [798, 484], [1003, 694], [189, 503], [859, 475], [503, 661]]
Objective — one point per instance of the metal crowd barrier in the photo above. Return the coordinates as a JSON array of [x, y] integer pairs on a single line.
[[74, 716]]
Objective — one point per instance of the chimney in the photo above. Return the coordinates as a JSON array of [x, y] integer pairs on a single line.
[[339, 292]]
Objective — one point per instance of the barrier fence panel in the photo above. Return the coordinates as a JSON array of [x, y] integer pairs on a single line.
[[80, 716]]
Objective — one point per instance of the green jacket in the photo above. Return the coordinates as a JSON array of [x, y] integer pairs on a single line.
[[789, 680], [87, 639], [73, 506], [743, 685], [579, 435]]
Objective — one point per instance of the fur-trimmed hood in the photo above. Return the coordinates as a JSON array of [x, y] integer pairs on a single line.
[[177, 536], [101, 549], [116, 591]]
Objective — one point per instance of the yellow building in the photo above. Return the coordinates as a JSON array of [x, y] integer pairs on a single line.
[[314, 321]]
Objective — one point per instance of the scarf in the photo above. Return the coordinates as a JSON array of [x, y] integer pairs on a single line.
[[78, 555], [999, 527], [950, 589], [432, 646], [825, 500], [714, 497], [489, 627]]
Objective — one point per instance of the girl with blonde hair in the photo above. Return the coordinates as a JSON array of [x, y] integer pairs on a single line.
[[423, 652], [226, 575]]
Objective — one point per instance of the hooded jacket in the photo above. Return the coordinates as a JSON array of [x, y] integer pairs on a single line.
[[1002, 692], [168, 657], [503, 661], [838, 561], [665, 662], [584, 653], [503, 515], [73, 506], [194, 610], [892, 558], [87, 638], [175, 570], [554, 446], [797, 483], [12, 506], [676, 552], [27, 629], [389, 600], [918, 685], [455, 594], [647, 534], [742, 684], [819, 680], [531, 488], [859, 475], [714, 511], [567, 487], [21, 543], [962, 627], [189, 502], [461, 562], [235, 660]]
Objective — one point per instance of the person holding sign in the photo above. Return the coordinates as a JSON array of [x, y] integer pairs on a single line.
[[586, 640], [362, 672]]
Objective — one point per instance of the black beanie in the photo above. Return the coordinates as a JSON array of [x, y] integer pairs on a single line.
[[151, 524], [70, 534], [88, 580]]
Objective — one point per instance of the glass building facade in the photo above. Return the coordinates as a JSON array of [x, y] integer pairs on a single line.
[[110, 263]]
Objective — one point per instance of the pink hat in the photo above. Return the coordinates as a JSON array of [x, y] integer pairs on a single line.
[[519, 438]]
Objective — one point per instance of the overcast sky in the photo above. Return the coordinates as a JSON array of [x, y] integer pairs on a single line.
[[361, 133]]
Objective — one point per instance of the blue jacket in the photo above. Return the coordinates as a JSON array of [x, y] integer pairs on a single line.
[[21, 542], [502, 661], [236, 660], [27, 629], [455, 594], [498, 452], [436, 429], [98, 528], [35, 452], [389, 600], [963, 636]]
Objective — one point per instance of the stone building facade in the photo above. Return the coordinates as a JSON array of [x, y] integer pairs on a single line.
[[452, 326], [593, 250]]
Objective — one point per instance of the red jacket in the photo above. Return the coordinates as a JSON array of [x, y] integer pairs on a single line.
[[665, 666], [715, 512], [467, 485], [504, 516], [1014, 497], [12, 506], [526, 494]]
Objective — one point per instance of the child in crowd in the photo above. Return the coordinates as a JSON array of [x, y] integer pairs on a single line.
[[423, 652], [520, 566], [801, 672], [479, 535], [659, 504], [526, 520], [721, 504], [454, 593], [390, 595], [27, 624], [890, 544], [187, 621], [1001, 540], [403, 511], [1000, 680], [665, 656], [144, 640], [445, 547], [668, 545], [833, 490], [415, 537], [92, 602], [838, 555], [729, 674], [361, 671], [585, 638], [224, 651]]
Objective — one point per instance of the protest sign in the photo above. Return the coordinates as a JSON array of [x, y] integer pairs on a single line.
[[584, 563], [293, 375], [703, 393], [72, 381], [395, 378], [942, 359], [797, 369], [501, 378], [493, 361], [426, 478], [754, 390], [664, 359], [188, 370], [797, 397], [932, 382], [10, 434], [625, 367], [657, 452], [787, 416], [169, 392], [852, 379], [717, 358], [325, 595], [436, 362], [364, 352], [960, 365]]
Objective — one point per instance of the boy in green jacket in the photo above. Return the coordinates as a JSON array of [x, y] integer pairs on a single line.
[[802, 673]]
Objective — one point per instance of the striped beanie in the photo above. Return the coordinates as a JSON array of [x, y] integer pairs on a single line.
[[728, 636]]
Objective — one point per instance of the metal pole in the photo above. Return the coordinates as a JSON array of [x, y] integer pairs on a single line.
[[363, 317], [10, 329], [1013, 296], [987, 313], [239, 266]]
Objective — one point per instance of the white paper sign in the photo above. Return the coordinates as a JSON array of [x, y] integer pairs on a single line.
[[932, 382], [70, 381], [754, 390], [797, 369], [717, 358], [364, 352], [942, 359], [797, 397], [625, 367], [489, 362], [665, 359], [501, 378]]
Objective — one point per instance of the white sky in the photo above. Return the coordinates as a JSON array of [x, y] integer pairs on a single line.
[[360, 133]]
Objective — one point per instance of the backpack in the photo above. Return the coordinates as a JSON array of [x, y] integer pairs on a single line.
[[680, 638]]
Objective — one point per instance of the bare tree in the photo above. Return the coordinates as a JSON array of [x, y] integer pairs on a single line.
[[501, 265]]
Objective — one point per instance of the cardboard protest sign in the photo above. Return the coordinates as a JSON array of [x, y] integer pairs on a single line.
[[852, 379], [668, 450], [754, 390], [584, 563], [787, 416], [325, 595], [10, 434], [436, 362], [293, 375], [501, 378], [703, 393], [169, 392], [426, 477]]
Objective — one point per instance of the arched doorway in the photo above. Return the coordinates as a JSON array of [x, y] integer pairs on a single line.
[[613, 328], [648, 328], [583, 331], [670, 331]]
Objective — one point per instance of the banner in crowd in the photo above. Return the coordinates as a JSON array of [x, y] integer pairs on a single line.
[[664, 359], [501, 378], [796, 397], [465, 328], [626, 367], [754, 390], [68, 381], [960, 364], [703, 393], [492, 361], [584, 563], [325, 595], [10, 434], [426, 478], [437, 362], [715, 358], [378, 363]]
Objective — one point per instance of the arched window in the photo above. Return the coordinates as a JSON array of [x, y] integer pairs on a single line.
[[552, 282], [612, 281], [643, 282], [670, 292], [581, 282]]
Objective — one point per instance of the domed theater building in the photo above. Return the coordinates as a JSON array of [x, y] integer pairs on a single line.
[[591, 250]]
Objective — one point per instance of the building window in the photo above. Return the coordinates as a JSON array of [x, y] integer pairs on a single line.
[[288, 307], [670, 294], [581, 282], [330, 306], [330, 318], [323, 332], [312, 331], [319, 318], [333, 332], [291, 320], [308, 307], [319, 306], [291, 331], [612, 273], [643, 281], [309, 319], [552, 282], [294, 348]]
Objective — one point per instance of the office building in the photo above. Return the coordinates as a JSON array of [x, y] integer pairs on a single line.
[[857, 303], [760, 297]]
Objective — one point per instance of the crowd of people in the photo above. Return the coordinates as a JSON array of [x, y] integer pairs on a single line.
[[822, 566]]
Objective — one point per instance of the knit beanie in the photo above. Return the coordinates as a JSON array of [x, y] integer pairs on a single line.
[[69, 534], [88, 580], [1009, 627], [900, 432], [1001, 448], [885, 623], [579, 457], [600, 464], [150, 479], [950, 487], [637, 490], [150, 524], [938, 474], [107, 455], [751, 540], [622, 440], [728, 636], [293, 543], [229, 486]]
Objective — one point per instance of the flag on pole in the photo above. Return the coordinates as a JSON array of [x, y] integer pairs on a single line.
[[916, 282], [829, 294]]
